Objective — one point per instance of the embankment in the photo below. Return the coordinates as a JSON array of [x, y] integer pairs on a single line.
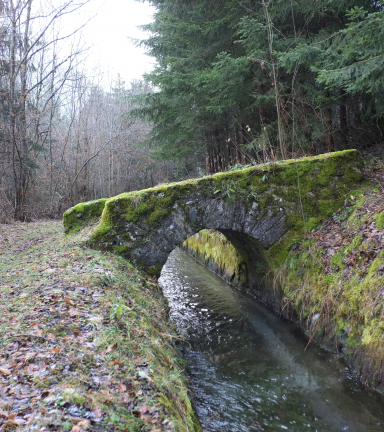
[[86, 340]]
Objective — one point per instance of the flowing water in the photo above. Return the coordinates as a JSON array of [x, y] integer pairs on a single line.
[[249, 370]]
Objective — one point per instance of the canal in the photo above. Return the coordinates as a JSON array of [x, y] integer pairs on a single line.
[[249, 370]]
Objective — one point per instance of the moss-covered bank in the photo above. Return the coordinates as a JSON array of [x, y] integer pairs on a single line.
[[83, 214], [332, 282]]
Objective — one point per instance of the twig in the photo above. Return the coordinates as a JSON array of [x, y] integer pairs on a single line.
[[215, 415], [314, 331], [26, 335]]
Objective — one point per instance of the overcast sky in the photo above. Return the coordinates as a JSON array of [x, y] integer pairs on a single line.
[[108, 32]]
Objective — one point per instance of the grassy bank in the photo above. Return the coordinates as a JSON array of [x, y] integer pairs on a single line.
[[85, 339]]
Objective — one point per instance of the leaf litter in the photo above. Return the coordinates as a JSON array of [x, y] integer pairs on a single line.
[[81, 345], [355, 220]]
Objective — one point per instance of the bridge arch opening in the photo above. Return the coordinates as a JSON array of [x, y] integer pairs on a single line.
[[236, 258]]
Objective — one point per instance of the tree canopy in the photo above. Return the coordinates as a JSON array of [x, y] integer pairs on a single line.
[[240, 81]]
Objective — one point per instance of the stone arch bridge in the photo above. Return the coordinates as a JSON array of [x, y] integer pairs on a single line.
[[262, 210]]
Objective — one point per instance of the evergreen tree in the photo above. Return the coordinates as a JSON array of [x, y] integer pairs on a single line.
[[242, 81]]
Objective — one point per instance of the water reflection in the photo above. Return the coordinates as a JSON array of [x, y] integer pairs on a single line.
[[249, 370]]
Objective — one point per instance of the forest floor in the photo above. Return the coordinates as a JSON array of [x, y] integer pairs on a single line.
[[85, 342]]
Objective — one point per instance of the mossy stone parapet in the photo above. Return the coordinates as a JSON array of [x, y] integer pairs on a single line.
[[264, 204], [82, 214], [266, 207]]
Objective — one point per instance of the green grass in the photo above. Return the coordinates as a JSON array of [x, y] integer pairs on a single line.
[[86, 314]]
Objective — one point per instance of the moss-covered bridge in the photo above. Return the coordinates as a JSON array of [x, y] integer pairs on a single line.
[[262, 210]]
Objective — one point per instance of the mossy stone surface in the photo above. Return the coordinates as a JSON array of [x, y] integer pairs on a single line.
[[271, 204], [346, 297], [216, 252], [83, 214]]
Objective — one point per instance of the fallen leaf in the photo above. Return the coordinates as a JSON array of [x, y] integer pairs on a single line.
[[110, 348], [5, 371], [68, 300], [30, 355], [50, 270], [75, 419], [143, 409], [96, 414], [122, 388], [82, 426], [73, 312], [17, 422]]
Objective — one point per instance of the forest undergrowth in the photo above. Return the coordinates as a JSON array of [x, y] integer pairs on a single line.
[[85, 342]]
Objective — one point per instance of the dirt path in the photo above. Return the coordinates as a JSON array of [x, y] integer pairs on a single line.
[[84, 340]]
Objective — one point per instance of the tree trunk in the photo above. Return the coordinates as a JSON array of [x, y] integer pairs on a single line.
[[243, 142], [218, 152], [212, 161], [328, 108], [270, 34], [328, 123], [207, 165], [343, 119], [238, 154], [228, 144], [215, 160]]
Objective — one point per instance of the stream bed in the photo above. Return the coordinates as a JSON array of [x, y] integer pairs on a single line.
[[249, 370]]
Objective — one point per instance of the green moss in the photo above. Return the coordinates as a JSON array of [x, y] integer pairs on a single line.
[[82, 214], [350, 307], [155, 270], [103, 229], [355, 243], [337, 261], [313, 222], [308, 190], [212, 246], [121, 249], [326, 208], [379, 219]]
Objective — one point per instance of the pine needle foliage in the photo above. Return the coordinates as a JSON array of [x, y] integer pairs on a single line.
[[240, 81]]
